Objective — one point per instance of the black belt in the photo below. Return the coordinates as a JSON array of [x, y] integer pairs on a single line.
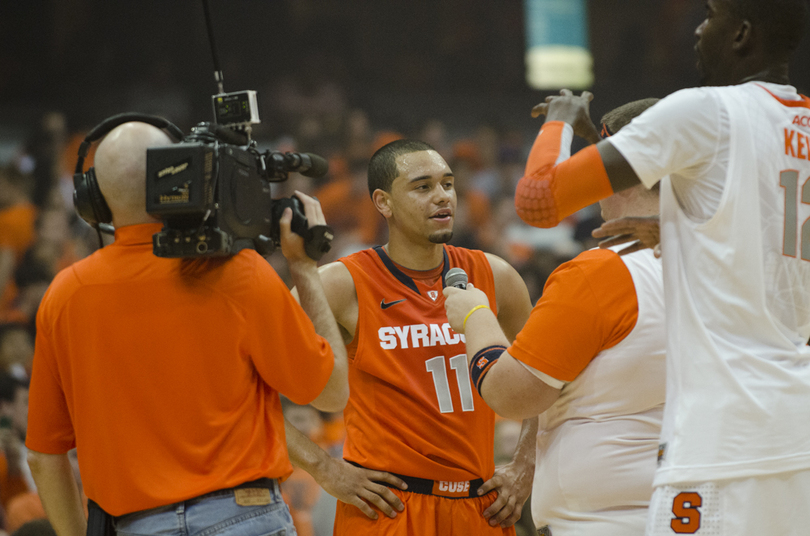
[[465, 489]]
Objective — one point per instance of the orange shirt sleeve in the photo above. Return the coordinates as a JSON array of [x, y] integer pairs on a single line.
[[589, 304], [50, 428]]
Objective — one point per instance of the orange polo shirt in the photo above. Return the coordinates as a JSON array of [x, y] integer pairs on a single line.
[[589, 304], [165, 373]]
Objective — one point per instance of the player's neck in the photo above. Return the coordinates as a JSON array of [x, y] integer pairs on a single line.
[[422, 256], [775, 74]]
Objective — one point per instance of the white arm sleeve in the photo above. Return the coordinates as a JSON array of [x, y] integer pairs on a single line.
[[679, 135]]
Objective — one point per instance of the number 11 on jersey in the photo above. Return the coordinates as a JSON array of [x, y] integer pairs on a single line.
[[438, 369]]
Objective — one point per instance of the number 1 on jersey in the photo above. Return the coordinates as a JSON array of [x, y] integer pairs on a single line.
[[789, 180], [438, 369]]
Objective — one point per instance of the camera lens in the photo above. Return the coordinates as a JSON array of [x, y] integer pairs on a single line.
[[202, 247]]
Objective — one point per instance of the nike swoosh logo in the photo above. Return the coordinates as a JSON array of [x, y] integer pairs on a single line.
[[384, 305]]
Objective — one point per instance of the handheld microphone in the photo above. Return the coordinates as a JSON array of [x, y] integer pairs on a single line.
[[456, 277]]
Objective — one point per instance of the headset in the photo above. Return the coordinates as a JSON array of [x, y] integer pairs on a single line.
[[87, 197]]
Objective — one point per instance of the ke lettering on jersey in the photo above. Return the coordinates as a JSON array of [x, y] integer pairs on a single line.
[[418, 336], [797, 144]]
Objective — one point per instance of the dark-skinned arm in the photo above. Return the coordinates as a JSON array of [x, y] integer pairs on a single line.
[[342, 480]]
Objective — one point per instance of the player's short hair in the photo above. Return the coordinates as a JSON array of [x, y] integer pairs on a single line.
[[620, 117], [382, 168], [782, 22]]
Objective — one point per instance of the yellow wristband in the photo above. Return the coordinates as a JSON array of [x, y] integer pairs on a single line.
[[474, 309]]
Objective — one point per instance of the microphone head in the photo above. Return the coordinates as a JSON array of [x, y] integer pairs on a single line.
[[318, 166], [456, 277]]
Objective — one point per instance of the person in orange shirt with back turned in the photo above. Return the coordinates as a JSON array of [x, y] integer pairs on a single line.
[[165, 373]]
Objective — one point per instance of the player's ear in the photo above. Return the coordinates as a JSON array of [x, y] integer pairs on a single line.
[[382, 201], [743, 39]]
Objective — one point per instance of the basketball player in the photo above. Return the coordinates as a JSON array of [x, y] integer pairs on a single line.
[[735, 449], [413, 420]]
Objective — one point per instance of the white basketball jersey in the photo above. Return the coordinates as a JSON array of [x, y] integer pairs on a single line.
[[738, 303], [597, 445]]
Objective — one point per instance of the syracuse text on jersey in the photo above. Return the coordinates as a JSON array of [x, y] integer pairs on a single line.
[[418, 336]]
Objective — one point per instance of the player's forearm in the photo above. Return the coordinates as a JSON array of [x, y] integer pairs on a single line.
[[526, 446], [59, 492], [305, 453], [555, 186], [313, 300], [515, 393]]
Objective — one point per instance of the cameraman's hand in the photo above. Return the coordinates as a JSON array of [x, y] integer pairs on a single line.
[[292, 244], [571, 109]]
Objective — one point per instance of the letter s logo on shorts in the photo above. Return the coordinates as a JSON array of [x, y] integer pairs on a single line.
[[685, 507]]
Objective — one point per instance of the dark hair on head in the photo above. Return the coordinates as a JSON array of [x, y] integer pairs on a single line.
[[782, 22], [382, 168], [620, 117]]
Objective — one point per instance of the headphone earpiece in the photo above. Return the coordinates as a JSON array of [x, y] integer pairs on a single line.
[[87, 197]]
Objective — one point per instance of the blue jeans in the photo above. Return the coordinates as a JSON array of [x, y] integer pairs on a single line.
[[211, 514]]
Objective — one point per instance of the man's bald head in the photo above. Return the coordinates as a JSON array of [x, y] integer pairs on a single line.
[[120, 165]]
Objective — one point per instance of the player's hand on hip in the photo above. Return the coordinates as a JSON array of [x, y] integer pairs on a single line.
[[572, 109], [292, 244], [513, 484], [358, 486], [643, 232], [458, 303]]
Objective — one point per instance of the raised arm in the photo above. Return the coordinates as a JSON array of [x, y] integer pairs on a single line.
[[304, 272], [555, 184]]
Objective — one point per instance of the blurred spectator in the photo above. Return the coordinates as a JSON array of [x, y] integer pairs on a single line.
[[16, 350], [15, 477], [17, 215]]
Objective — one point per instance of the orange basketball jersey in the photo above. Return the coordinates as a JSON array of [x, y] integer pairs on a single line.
[[412, 408]]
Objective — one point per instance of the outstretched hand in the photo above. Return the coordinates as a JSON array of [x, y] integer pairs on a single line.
[[643, 232], [572, 109]]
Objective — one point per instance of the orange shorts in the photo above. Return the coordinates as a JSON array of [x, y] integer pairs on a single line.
[[424, 515]]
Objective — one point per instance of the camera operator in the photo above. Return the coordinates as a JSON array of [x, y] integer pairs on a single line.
[[165, 373]]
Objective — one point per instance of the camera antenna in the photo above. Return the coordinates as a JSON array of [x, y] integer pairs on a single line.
[[217, 71]]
